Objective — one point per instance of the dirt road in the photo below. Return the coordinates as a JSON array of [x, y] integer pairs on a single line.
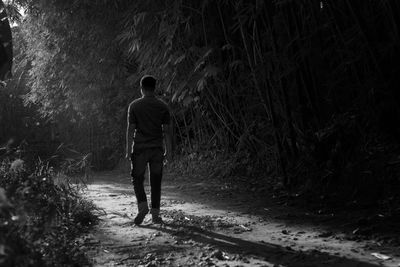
[[205, 228]]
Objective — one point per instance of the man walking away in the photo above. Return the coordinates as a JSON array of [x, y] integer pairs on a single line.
[[148, 128]]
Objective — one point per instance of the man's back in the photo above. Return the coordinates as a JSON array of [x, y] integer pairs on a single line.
[[148, 114], [146, 117]]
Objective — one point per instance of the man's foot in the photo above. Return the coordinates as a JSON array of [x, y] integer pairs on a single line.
[[155, 214], [143, 209]]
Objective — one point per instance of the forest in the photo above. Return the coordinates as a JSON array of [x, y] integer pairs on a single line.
[[291, 98]]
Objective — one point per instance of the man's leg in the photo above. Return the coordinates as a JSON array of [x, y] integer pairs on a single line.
[[156, 168], [138, 165]]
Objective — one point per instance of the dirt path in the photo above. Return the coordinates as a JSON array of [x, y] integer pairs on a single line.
[[199, 234]]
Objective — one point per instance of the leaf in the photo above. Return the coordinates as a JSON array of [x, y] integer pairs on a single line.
[[187, 101], [178, 92], [235, 64], [380, 256], [227, 47], [326, 234], [201, 84], [245, 228], [211, 71], [180, 59], [202, 59], [138, 18]]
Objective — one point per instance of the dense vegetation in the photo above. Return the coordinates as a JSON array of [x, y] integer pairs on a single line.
[[303, 90], [41, 215]]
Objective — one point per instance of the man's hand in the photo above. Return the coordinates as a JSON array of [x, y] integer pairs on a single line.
[[130, 130], [167, 142]]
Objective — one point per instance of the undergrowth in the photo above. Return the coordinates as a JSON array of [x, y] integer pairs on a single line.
[[237, 171], [40, 219], [339, 167]]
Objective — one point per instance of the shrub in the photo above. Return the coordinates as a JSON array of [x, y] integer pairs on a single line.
[[40, 220]]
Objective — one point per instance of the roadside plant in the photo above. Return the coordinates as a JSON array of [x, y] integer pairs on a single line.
[[40, 220]]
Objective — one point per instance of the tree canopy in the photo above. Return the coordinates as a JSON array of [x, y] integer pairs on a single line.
[[266, 80]]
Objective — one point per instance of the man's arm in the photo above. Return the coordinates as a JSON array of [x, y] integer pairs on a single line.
[[167, 134], [130, 131]]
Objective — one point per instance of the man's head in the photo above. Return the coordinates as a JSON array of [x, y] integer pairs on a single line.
[[148, 84]]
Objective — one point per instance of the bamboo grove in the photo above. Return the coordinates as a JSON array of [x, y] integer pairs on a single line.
[[307, 88]]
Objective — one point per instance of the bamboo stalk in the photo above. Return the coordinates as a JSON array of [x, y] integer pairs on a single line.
[[268, 108]]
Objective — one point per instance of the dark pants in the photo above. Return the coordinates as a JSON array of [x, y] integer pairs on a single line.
[[139, 160]]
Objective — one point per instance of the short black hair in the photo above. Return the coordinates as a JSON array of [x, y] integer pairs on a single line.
[[148, 82]]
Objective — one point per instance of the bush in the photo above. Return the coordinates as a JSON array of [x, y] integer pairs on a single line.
[[39, 219], [347, 161]]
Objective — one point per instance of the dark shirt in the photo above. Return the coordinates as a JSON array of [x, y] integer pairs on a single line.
[[148, 114]]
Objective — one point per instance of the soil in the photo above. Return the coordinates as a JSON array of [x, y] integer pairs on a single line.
[[206, 224]]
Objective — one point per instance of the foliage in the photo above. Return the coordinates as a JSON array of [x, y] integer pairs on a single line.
[[266, 79], [39, 220]]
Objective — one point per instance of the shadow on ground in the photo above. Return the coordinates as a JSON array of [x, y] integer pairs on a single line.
[[269, 252]]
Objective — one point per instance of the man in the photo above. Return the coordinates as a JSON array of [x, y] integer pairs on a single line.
[[148, 128]]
